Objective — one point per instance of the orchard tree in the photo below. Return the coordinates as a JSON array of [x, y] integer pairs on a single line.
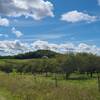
[[69, 65]]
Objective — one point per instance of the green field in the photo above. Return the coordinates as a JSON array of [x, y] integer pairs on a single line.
[[65, 77], [28, 87]]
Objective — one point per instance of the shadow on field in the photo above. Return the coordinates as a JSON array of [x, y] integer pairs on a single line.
[[79, 78], [74, 78]]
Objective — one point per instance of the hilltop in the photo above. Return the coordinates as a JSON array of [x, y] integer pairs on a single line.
[[34, 54]]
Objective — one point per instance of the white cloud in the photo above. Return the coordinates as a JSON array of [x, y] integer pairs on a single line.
[[3, 35], [82, 47], [12, 47], [75, 16], [16, 32], [37, 9], [98, 2], [4, 22], [16, 47]]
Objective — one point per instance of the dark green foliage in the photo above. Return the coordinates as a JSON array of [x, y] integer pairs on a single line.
[[69, 65], [54, 63], [30, 55]]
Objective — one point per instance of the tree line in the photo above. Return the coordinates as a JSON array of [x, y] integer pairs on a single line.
[[67, 64]]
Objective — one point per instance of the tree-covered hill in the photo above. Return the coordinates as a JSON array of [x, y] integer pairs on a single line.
[[35, 54]]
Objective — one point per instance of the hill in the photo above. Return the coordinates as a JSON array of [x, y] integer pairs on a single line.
[[35, 54]]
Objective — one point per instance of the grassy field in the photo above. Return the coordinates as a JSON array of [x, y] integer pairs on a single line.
[[28, 87]]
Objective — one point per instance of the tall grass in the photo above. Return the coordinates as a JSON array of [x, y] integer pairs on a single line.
[[29, 87]]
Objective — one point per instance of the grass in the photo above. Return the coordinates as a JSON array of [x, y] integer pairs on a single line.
[[28, 87], [5, 95]]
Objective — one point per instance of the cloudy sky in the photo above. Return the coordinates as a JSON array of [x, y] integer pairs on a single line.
[[59, 25]]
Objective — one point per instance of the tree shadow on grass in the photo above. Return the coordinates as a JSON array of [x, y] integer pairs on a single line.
[[73, 78], [79, 78]]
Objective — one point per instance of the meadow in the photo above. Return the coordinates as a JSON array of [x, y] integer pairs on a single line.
[[16, 86], [61, 77]]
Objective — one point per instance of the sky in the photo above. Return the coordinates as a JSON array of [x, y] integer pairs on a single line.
[[58, 25]]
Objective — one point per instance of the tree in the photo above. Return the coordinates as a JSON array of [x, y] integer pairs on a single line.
[[69, 64]]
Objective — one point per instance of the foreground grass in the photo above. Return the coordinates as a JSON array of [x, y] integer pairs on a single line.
[[29, 87]]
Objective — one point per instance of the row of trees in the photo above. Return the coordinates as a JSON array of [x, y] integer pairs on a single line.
[[67, 64]]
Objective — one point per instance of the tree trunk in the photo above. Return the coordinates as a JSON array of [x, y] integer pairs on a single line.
[[56, 81], [91, 74], [98, 76], [46, 74], [67, 76], [87, 73]]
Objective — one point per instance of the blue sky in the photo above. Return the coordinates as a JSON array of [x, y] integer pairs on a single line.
[[60, 21]]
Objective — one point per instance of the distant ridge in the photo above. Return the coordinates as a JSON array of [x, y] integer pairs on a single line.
[[34, 54]]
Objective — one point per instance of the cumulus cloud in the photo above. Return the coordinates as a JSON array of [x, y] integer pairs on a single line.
[[16, 32], [4, 22], [75, 16], [37, 9], [12, 47], [16, 47]]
